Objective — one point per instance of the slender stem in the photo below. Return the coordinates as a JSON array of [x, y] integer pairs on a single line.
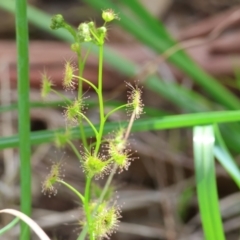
[[90, 123], [114, 110], [80, 95], [104, 191], [80, 73], [71, 31], [86, 207], [130, 126], [75, 150], [83, 233], [9, 226], [95, 36], [83, 135], [107, 184], [85, 58], [23, 112], [86, 81], [73, 190], [110, 177], [100, 99], [98, 143], [114, 169], [61, 96]]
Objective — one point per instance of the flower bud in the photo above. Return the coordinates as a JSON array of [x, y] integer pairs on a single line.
[[102, 30], [68, 79], [74, 111], [109, 15], [105, 220], [95, 166], [84, 33], [57, 22], [61, 139], [91, 25], [75, 47], [55, 175], [135, 103], [46, 85]]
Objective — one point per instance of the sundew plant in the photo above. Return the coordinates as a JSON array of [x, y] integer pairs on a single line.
[[107, 155], [214, 118]]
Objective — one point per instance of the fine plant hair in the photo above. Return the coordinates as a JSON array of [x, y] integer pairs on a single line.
[[107, 155]]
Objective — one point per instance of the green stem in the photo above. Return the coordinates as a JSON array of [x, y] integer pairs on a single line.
[[71, 31], [107, 184], [80, 95], [95, 36], [100, 200], [90, 123], [98, 143], [9, 226], [75, 150], [100, 98], [61, 96], [86, 207], [73, 190], [114, 110], [23, 112], [80, 73], [87, 81], [130, 126]]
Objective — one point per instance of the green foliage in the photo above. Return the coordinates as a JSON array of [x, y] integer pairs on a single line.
[[23, 112], [202, 108], [203, 139], [101, 218]]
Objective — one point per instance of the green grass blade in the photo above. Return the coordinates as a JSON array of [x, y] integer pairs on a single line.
[[182, 97], [38, 18], [237, 77], [116, 61], [34, 14], [23, 113], [208, 83], [158, 43], [14, 106], [149, 21], [231, 136], [203, 140], [224, 157], [91, 104], [130, 21], [9, 226], [141, 125]]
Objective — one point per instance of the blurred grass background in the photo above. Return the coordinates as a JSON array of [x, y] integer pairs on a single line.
[[159, 190]]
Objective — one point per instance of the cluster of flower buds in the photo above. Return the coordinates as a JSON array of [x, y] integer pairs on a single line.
[[118, 151], [105, 219], [86, 32]]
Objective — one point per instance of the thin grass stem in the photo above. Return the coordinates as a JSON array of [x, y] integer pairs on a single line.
[[23, 113]]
